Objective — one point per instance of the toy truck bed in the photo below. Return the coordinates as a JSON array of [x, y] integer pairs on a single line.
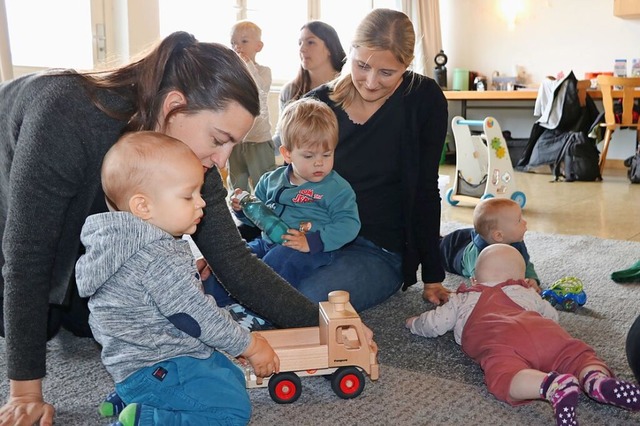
[[299, 348]]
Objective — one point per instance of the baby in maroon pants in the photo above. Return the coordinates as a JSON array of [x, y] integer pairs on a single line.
[[507, 328]]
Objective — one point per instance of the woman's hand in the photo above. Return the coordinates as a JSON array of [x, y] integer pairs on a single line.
[[435, 293], [26, 405], [368, 334]]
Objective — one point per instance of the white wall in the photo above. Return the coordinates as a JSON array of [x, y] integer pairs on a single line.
[[550, 36]]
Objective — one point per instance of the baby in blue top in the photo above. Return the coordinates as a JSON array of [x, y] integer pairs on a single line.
[[318, 205], [495, 220]]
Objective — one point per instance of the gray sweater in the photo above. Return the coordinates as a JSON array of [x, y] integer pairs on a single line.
[[146, 299], [52, 141]]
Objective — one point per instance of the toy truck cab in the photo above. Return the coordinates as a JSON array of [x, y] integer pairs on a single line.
[[338, 349]]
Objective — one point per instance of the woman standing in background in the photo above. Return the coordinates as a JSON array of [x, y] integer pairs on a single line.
[[321, 60], [392, 125]]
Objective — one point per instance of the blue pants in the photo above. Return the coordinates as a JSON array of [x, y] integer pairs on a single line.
[[213, 287], [189, 391], [290, 264], [369, 273]]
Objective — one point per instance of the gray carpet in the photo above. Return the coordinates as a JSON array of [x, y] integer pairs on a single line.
[[422, 381]]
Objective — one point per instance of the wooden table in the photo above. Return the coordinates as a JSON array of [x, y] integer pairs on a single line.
[[489, 96]]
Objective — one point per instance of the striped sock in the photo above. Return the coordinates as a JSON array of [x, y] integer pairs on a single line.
[[609, 390], [562, 391]]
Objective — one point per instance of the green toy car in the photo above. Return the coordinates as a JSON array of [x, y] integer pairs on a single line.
[[566, 292]]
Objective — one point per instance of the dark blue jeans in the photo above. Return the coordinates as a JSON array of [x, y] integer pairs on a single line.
[[369, 273], [290, 264]]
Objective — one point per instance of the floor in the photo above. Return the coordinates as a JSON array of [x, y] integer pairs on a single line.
[[607, 209]]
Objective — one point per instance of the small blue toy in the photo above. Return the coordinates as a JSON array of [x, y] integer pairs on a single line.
[[566, 292]]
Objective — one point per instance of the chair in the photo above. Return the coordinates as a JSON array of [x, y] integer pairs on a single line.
[[583, 86], [624, 87]]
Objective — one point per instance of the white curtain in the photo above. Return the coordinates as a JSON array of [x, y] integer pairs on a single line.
[[6, 66], [425, 15]]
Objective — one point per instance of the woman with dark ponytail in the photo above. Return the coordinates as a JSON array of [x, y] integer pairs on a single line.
[[55, 128]]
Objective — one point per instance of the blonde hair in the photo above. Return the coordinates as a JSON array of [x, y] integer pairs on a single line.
[[132, 164], [308, 122], [249, 26], [487, 214], [381, 29]]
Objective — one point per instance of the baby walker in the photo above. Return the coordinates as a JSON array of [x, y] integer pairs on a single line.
[[483, 165]]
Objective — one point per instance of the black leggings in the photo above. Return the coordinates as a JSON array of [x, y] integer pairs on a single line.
[[633, 348]]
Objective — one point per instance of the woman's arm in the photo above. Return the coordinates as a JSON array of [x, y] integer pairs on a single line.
[[243, 275], [431, 136], [40, 235], [431, 133], [48, 203]]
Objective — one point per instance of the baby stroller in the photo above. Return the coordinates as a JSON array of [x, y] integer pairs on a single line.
[[483, 165]]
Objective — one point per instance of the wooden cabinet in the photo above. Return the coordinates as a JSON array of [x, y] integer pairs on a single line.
[[626, 8]]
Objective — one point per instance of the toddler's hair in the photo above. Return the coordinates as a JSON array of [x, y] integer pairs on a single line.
[[487, 214], [134, 161], [247, 25], [308, 122]]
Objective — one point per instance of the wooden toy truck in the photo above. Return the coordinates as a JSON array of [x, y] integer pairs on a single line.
[[337, 349]]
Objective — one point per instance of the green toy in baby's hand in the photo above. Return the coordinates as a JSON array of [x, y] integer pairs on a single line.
[[566, 292], [630, 275]]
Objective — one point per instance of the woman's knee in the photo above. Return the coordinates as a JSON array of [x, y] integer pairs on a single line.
[[633, 348]]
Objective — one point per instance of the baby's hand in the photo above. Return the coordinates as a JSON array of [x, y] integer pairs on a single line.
[[409, 322], [203, 269], [368, 334], [233, 200], [262, 357], [296, 240], [533, 284]]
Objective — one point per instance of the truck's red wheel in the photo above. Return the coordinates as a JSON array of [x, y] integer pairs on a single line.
[[347, 382], [285, 388]]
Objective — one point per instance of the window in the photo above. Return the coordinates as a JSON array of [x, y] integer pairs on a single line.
[[206, 20], [280, 21], [58, 35]]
